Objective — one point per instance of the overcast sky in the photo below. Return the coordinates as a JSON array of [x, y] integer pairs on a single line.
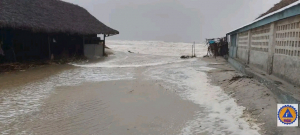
[[174, 20]]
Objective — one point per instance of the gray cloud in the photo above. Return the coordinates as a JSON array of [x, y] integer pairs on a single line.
[[174, 20]]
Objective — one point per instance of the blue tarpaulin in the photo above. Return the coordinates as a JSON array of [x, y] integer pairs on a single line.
[[211, 41]]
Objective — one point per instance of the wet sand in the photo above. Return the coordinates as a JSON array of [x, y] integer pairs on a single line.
[[19, 78], [260, 103], [112, 107]]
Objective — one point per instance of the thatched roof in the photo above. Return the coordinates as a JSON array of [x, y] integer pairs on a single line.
[[280, 5], [50, 16]]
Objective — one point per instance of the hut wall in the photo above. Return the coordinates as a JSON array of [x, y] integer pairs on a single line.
[[93, 48], [21, 45], [92, 51], [7, 46], [29, 46], [66, 46]]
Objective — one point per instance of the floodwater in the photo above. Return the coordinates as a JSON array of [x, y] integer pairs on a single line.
[[150, 91]]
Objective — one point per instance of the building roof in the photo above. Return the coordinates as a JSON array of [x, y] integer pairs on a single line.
[[51, 16], [281, 4], [287, 11]]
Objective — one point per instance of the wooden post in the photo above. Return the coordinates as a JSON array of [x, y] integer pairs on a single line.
[[49, 47], [83, 45], [194, 49], [1, 41], [13, 50], [83, 40], [249, 46], [104, 45], [12, 45]]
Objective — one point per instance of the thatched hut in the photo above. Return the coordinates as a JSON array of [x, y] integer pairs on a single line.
[[39, 29]]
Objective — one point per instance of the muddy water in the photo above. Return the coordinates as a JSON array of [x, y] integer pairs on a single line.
[[150, 91], [114, 107]]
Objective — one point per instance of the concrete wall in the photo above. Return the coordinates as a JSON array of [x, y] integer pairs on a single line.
[[259, 47], [288, 68], [242, 54], [232, 51], [243, 46], [274, 48], [259, 59], [233, 47], [253, 46], [92, 51], [286, 62]]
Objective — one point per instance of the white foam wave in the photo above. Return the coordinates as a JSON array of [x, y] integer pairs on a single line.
[[220, 114], [157, 47], [106, 65]]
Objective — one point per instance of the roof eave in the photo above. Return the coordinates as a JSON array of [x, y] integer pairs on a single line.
[[268, 15]]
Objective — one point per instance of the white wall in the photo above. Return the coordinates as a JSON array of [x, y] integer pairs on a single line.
[[93, 51]]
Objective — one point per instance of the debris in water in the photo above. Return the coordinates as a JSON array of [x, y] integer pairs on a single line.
[[187, 57], [184, 57]]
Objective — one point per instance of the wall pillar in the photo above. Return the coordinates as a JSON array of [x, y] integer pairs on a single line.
[[104, 45], [249, 46], [49, 47], [271, 48], [236, 45]]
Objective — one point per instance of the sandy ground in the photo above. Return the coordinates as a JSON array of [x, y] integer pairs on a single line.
[[19, 78], [120, 107], [112, 107], [260, 103]]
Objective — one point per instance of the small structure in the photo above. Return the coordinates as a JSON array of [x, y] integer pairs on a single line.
[[45, 29], [271, 42], [93, 47], [217, 47]]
